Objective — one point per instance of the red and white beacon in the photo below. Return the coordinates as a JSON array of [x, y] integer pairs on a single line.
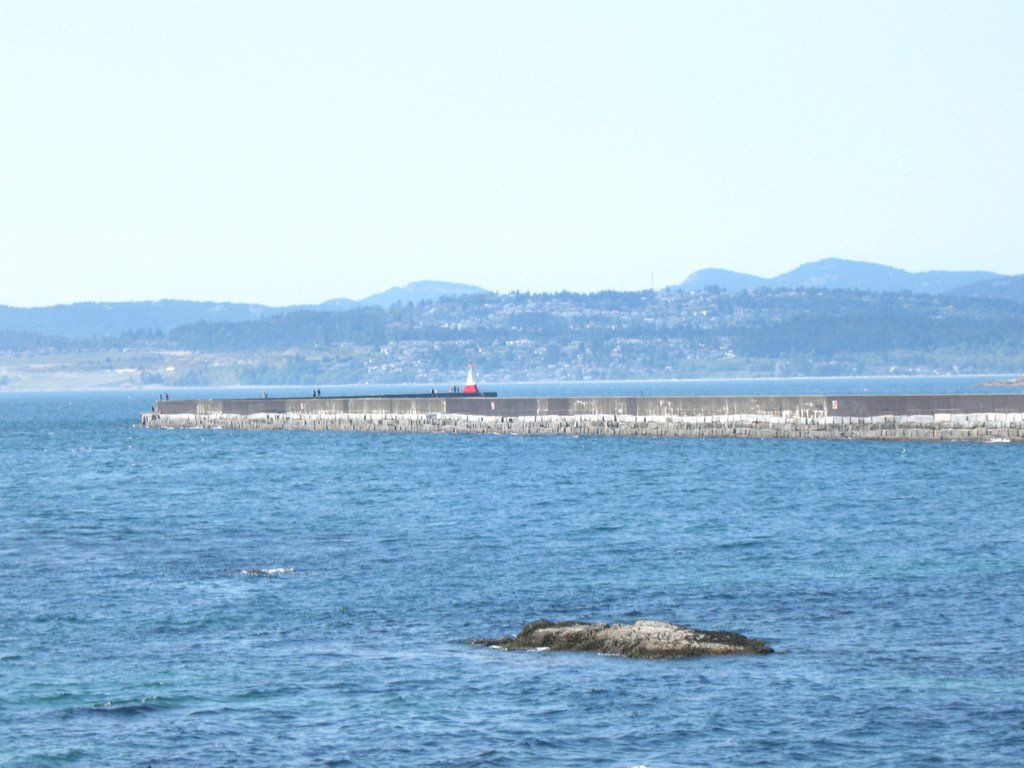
[[470, 388]]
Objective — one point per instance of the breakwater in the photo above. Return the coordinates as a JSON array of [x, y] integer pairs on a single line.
[[983, 418]]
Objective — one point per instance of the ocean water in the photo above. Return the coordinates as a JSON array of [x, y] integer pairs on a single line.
[[290, 599]]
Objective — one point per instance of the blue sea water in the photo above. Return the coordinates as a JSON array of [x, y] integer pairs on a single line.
[[233, 598]]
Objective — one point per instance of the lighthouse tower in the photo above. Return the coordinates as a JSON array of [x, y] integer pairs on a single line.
[[470, 388]]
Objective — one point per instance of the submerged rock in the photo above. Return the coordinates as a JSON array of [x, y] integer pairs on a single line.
[[1004, 383], [642, 640]]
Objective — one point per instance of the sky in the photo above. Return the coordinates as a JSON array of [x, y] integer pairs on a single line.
[[295, 152]]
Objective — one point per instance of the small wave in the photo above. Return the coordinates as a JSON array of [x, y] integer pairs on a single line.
[[122, 708], [743, 543], [59, 758], [266, 571]]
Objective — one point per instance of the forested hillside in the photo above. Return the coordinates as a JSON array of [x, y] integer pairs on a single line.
[[609, 335]]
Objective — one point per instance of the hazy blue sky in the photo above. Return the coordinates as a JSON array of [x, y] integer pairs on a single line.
[[287, 152]]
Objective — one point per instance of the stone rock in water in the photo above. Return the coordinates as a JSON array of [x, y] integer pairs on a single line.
[[642, 640]]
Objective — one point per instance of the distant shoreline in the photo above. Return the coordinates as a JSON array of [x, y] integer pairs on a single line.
[[100, 383]]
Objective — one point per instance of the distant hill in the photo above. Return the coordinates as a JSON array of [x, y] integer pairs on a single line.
[[332, 305], [424, 290], [86, 320], [725, 279], [94, 319], [543, 337], [840, 273], [1011, 288]]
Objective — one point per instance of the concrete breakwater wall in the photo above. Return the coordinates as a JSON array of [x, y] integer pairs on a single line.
[[982, 418]]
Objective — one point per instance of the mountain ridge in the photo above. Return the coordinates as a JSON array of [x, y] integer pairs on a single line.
[[87, 319], [841, 273]]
